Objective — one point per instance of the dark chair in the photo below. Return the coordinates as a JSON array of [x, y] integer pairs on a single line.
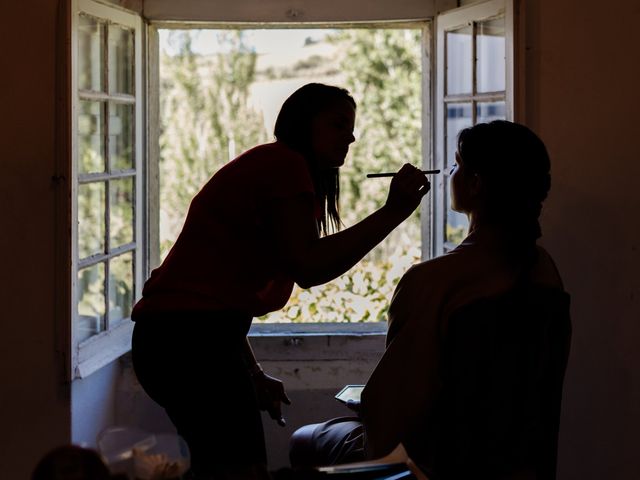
[[502, 373]]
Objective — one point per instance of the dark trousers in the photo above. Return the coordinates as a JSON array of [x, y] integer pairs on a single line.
[[193, 366], [336, 441]]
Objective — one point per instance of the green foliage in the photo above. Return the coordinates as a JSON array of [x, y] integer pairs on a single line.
[[382, 69], [205, 106], [205, 120], [455, 234]]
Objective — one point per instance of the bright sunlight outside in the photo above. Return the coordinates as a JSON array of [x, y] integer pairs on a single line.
[[220, 92]]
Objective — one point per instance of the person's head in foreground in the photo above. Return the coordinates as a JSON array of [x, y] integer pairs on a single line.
[[71, 462], [317, 121]]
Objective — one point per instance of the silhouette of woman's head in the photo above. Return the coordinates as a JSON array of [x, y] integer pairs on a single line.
[[295, 122], [317, 121], [511, 169], [70, 462]]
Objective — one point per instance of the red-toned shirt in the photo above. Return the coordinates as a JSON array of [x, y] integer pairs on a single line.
[[224, 258]]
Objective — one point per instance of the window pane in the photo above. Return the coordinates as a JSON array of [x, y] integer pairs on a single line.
[[490, 56], [121, 60], [121, 211], [458, 117], [91, 211], [456, 223], [91, 301], [120, 288], [121, 153], [489, 111], [90, 54], [459, 52], [90, 138]]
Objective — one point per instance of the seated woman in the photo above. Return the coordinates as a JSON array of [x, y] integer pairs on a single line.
[[500, 180]]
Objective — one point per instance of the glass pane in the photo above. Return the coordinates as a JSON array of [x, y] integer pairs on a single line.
[[459, 62], [121, 153], [121, 211], [121, 60], [91, 211], [489, 111], [90, 54], [90, 138], [91, 302], [490, 56], [456, 225], [120, 288], [458, 117]]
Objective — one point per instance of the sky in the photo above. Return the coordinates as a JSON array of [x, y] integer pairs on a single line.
[[275, 47], [278, 42]]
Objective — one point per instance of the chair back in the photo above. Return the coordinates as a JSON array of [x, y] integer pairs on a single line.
[[502, 374]]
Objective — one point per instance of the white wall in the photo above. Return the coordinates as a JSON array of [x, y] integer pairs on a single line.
[[33, 399]]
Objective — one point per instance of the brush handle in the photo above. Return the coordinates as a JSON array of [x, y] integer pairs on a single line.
[[391, 174]]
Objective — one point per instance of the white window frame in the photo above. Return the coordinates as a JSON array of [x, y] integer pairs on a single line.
[[107, 346], [452, 20], [95, 352]]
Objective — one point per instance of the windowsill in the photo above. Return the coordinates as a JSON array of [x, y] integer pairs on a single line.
[[284, 329], [103, 349], [291, 342], [271, 342]]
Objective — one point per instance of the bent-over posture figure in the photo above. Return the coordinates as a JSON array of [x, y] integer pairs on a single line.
[[251, 232]]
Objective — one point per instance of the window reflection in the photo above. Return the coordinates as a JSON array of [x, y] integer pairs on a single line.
[[91, 212], [457, 224], [91, 302], [459, 116], [121, 61], [459, 64], [121, 138], [490, 55], [120, 288], [90, 138], [489, 111], [121, 211], [90, 54]]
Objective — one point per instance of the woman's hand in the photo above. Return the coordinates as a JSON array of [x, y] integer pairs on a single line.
[[270, 393], [407, 188], [310, 260]]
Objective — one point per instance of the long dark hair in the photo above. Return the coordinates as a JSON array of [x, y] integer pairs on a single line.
[[514, 166], [293, 128]]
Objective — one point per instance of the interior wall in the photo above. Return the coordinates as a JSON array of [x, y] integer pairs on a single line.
[[93, 405], [34, 399], [583, 66]]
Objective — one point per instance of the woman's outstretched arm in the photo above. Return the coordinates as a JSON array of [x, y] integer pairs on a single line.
[[312, 260]]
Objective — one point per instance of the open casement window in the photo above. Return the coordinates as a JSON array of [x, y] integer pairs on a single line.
[[111, 214], [474, 84], [107, 158]]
